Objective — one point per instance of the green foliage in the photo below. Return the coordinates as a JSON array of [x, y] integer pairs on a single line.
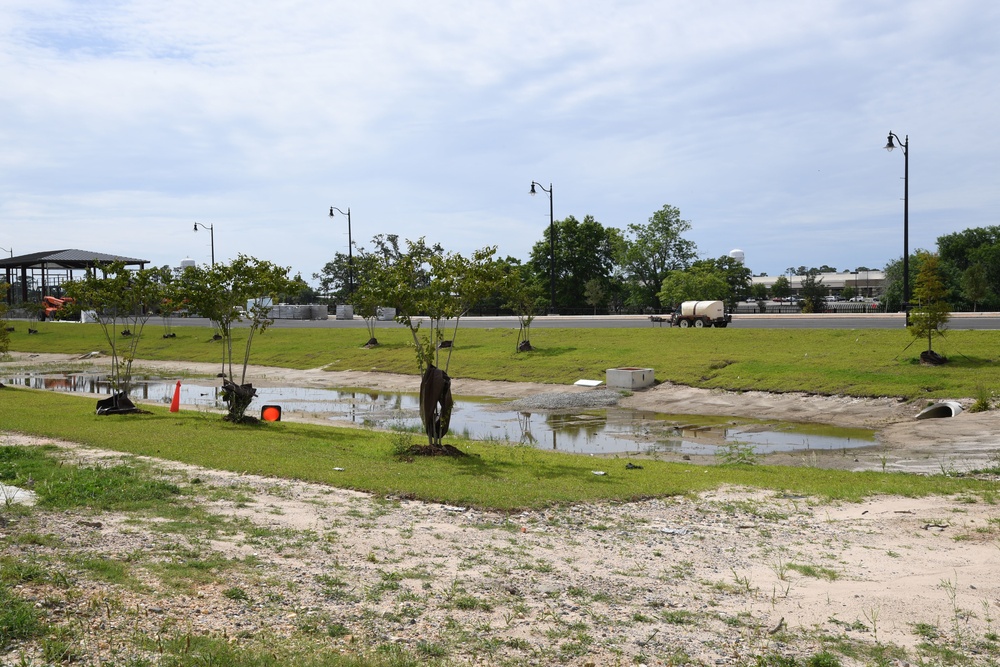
[[19, 619], [701, 283], [584, 250], [123, 301], [984, 399], [975, 285], [524, 295], [595, 293], [335, 276], [822, 361], [736, 275], [813, 291], [932, 311], [492, 476], [426, 281], [781, 288], [649, 253], [220, 292], [738, 453]]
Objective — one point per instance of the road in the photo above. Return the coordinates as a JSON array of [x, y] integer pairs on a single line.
[[959, 321]]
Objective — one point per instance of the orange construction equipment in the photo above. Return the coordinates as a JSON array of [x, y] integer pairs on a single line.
[[175, 404], [52, 305]]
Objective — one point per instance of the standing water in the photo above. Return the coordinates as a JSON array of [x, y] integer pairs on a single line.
[[584, 431]]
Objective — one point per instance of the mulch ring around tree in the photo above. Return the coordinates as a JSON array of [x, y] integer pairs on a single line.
[[932, 358], [433, 450]]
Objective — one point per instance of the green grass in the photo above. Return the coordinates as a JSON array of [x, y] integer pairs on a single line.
[[497, 476], [869, 362]]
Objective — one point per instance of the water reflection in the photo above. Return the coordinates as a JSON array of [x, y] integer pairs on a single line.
[[599, 431]]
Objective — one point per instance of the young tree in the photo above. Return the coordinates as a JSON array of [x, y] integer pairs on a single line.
[[425, 281], [220, 292], [123, 301], [367, 297], [526, 297], [813, 292], [932, 311], [594, 293]]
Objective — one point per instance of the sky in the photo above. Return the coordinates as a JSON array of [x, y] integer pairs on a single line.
[[122, 123]]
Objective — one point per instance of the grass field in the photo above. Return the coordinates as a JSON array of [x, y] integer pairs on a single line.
[[492, 475], [869, 362]]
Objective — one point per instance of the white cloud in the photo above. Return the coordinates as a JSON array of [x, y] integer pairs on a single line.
[[762, 122]]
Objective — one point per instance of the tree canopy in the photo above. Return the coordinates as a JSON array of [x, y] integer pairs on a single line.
[[648, 253]]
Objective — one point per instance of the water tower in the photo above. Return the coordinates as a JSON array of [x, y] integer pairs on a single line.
[[737, 254]]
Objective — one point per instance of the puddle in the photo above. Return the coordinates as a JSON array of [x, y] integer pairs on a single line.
[[590, 431]]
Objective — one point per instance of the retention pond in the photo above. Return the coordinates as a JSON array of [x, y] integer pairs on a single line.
[[598, 431]]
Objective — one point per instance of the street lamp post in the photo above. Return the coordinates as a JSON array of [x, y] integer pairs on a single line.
[[211, 235], [552, 246], [905, 145], [350, 255]]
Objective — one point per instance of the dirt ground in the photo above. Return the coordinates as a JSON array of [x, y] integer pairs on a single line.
[[711, 580]]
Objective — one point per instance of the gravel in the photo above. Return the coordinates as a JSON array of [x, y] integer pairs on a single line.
[[598, 398]]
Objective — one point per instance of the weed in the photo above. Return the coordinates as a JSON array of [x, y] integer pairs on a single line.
[[737, 454], [984, 398], [236, 593], [742, 582], [814, 571]]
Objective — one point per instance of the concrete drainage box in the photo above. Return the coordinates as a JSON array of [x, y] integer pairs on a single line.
[[629, 378]]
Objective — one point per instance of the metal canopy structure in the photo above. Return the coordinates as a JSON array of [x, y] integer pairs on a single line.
[[45, 272]]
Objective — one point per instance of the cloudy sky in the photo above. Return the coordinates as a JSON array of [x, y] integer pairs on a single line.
[[124, 122]]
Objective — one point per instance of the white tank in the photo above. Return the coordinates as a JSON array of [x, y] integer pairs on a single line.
[[186, 262], [737, 254]]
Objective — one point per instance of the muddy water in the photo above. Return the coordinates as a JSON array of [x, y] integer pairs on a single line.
[[590, 431]]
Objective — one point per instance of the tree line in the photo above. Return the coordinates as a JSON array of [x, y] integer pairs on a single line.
[[596, 269], [968, 264]]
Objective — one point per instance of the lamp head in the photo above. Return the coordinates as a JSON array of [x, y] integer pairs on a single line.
[[331, 211], [532, 190], [889, 145], [196, 226]]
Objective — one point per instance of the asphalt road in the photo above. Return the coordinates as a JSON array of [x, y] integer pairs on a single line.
[[958, 321]]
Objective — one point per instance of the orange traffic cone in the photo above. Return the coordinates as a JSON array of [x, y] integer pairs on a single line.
[[175, 404]]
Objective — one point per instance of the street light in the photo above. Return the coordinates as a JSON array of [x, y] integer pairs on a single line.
[[211, 232], [905, 145], [552, 246], [350, 256]]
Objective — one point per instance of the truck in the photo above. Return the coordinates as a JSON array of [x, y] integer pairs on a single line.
[[701, 314]]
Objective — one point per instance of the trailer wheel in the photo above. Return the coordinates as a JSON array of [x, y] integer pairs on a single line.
[[699, 324], [683, 324], [722, 325]]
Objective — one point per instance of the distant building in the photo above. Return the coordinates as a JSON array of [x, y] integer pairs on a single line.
[[864, 283]]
